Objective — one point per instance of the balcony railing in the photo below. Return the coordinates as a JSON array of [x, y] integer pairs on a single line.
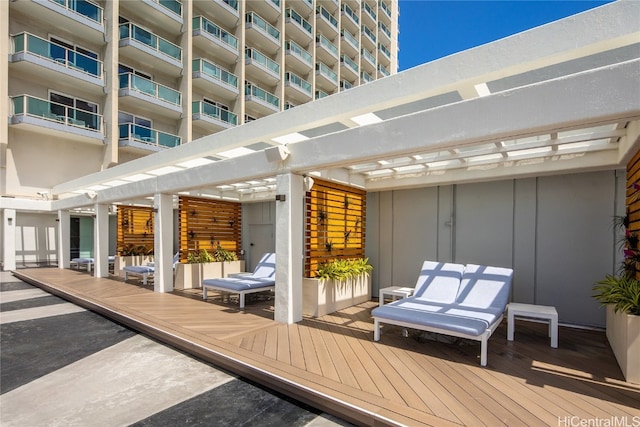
[[384, 29], [323, 41], [366, 77], [385, 50], [302, 23], [370, 11], [327, 16], [350, 13], [275, 2], [254, 18], [344, 85], [262, 59], [297, 50], [149, 87], [148, 135], [385, 8], [383, 70], [215, 112], [213, 71], [344, 59], [132, 31], [350, 38], [25, 42], [297, 81], [201, 23], [232, 3], [255, 91], [368, 32], [321, 94], [327, 72], [85, 8], [368, 55], [25, 105], [172, 5]]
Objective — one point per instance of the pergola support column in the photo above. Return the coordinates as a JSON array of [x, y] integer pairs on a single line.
[[289, 248], [101, 241], [9, 239], [64, 239], [163, 243]]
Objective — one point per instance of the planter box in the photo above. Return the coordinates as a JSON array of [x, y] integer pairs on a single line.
[[231, 267], [190, 276], [321, 297], [623, 333], [124, 261]]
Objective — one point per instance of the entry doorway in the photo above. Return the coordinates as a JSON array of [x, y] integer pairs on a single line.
[[261, 241]]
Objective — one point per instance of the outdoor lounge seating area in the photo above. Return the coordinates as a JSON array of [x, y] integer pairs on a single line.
[[145, 271], [89, 262], [452, 299], [263, 278]]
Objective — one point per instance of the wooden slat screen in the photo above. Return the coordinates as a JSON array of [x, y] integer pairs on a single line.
[[335, 224], [633, 207], [135, 228], [204, 223]]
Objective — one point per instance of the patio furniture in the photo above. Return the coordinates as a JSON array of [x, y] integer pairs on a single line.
[[145, 271], [452, 299], [262, 278], [394, 292], [88, 262], [531, 311]]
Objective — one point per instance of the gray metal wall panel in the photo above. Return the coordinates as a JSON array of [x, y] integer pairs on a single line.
[[524, 241]]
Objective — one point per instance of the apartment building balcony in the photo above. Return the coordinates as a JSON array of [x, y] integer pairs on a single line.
[[345, 85], [385, 12], [326, 78], [141, 45], [366, 77], [297, 58], [211, 118], [226, 11], [39, 57], [211, 78], [78, 17], [369, 39], [260, 101], [143, 139], [260, 67], [320, 94], [165, 14], [303, 7], [296, 26], [262, 34], [382, 71], [268, 9], [50, 118], [142, 93], [297, 88], [349, 43], [210, 37], [384, 33], [350, 19], [326, 22], [348, 67], [326, 51], [368, 60], [369, 16]]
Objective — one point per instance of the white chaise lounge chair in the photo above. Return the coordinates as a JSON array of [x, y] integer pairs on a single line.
[[452, 299], [262, 279], [145, 271], [89, 262]]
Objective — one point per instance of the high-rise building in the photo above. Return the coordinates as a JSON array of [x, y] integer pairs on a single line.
[[91, 84]]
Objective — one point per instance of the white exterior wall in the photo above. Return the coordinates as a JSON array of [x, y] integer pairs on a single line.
[[556, 232]]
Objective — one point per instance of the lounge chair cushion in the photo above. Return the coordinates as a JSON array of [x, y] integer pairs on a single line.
[[439, 281], [139, 269], [238, 284], [485, 287]]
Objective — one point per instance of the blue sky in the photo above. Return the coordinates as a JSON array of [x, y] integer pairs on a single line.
[[432, 29]]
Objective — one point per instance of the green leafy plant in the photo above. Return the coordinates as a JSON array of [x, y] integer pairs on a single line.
[[221, 254], [200, 257], [133, 250], [343, 269], [623, 292]]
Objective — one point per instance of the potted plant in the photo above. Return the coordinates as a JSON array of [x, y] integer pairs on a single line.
[[337, 284], [621, 295], [200, 265], [131, 254], [229, 259]]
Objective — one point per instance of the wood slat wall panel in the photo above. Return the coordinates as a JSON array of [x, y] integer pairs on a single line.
[[135, 228], [334, 224], [633, 211], [205, 223]]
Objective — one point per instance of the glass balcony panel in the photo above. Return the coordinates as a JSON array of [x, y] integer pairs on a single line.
[[232, 3], [384, 50], [264, 25], [145, 37], [140, 84], [327, 44], [384, 29], [215, 112], [148, 135], [37, 107], [385, 8], [298, 81], [290, 13], [328, 72], [262, 59], [216, 72], [350, 38], [369, 33], [349, 12], [200, 23], [370, 11], [328, 16], [368, 55], [298, 51], [83, 7], [321, 94], [262, 94], [349, 62], [172, 5]]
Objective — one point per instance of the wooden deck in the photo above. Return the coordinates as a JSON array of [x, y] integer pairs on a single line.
[[333, 364]]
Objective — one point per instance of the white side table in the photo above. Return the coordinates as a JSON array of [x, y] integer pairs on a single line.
[[395, 291], [533, 312]]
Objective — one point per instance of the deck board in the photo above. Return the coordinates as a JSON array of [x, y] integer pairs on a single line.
[[332, 362]]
